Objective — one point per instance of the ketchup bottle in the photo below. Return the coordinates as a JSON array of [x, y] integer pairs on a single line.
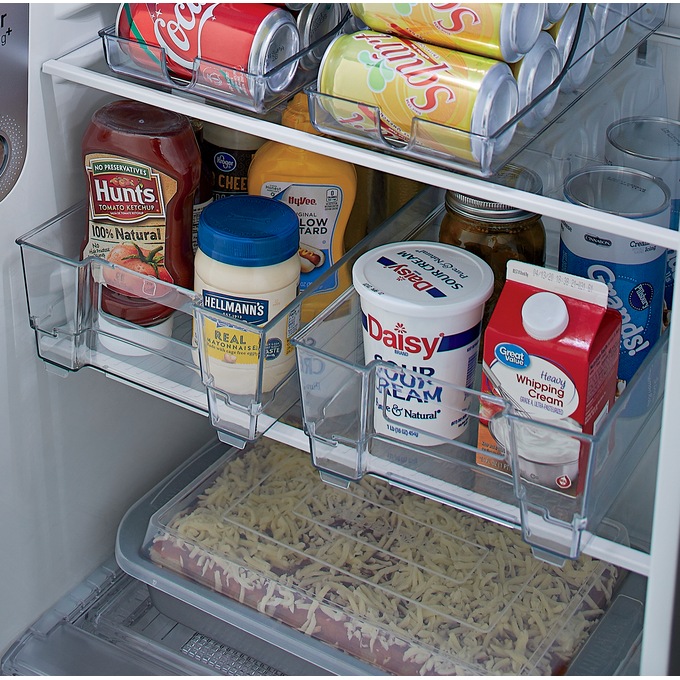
[[142, 166]]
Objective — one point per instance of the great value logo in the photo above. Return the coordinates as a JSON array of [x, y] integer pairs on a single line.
[[512, 355]]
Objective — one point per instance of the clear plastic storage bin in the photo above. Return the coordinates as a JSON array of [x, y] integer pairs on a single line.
[[338, 403], [72, 331], [375, 573], [218, 83], [459, 149]]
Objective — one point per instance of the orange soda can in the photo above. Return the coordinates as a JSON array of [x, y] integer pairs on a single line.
[[499, 30], [471, 97]]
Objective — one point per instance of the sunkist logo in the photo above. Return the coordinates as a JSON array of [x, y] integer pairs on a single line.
[[404, 58], [179, 28], [399, 339]]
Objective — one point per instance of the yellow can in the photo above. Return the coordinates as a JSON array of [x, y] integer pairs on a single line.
[[378, 82], [499, 30]]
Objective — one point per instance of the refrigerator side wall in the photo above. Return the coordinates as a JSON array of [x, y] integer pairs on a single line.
[[75, 452]]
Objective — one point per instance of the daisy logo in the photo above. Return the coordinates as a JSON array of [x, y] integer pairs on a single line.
[[400, 341]]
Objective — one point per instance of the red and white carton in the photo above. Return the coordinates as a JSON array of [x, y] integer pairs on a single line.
[[551, 351]]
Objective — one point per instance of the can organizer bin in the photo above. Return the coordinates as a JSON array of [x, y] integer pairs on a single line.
[[472, 151], [240, 89], [338, 392]]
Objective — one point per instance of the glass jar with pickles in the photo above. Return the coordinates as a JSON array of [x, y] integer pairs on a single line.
[[494, 231]]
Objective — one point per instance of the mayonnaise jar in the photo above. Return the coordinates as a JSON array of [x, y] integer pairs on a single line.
[[246, 269]]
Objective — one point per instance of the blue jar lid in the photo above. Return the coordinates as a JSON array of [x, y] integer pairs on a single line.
[[248, 231]]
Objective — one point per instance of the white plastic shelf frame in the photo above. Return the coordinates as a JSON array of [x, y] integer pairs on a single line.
[[338, 393]]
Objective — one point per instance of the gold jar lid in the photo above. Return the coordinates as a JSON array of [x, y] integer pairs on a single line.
[[512, 176]]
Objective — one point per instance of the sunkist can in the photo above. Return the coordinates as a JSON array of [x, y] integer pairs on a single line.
[[567, 31], [554, 11], [232, 41], [535, 72], [404, 79], [499, 30]]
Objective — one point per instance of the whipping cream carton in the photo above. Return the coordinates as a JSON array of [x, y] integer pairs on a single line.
[[551, 350]]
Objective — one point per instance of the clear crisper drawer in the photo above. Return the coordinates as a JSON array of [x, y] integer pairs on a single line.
[[458, 148], [339, 405], [219, 83], [375, 574], [72, 330]]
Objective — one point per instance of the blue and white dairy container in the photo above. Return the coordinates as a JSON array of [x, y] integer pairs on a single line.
[[422, 305], [634, 270]]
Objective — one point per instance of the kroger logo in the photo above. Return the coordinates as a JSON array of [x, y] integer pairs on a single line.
[[512, 355], [224, 161]]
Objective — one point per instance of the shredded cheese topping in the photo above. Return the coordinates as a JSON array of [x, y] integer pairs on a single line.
[[403, 582]]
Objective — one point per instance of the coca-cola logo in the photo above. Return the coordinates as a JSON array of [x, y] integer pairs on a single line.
[[178, 30]]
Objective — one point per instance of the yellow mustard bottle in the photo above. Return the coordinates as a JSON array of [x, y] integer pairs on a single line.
[[322, 191]]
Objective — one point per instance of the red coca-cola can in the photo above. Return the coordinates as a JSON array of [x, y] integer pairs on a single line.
[[231, 41]]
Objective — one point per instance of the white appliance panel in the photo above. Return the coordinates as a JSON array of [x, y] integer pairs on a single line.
[[75, 451]]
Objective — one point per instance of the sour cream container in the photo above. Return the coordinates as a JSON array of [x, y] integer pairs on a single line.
[[422, 305]]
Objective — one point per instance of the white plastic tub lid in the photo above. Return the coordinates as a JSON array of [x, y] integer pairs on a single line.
[[423, 278]]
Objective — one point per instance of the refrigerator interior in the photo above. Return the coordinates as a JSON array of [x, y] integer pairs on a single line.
[[78, 450]]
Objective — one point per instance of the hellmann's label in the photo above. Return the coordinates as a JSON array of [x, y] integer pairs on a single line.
[[421, 311]]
